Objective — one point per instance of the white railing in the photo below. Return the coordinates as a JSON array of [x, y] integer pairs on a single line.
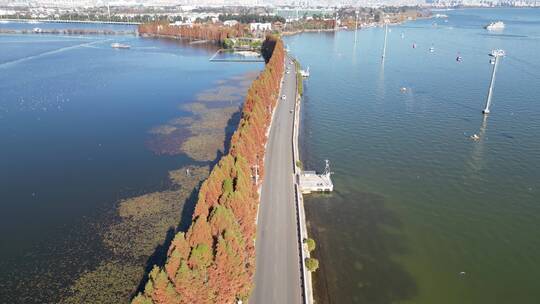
[[307, 288]]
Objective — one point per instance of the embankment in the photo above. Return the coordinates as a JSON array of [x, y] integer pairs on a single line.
[[214, 260]]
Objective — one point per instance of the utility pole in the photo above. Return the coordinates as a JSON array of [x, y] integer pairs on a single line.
[[497, 54], [385, 37], [256, 167]]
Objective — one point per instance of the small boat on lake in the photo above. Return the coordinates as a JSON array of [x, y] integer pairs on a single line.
[[495, 26], [117, 45]]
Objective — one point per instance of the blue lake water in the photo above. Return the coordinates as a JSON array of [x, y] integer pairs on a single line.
[[74, 119], [421, 213]]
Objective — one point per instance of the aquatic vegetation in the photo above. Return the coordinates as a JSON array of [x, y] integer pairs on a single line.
[[143, 226], [118, 280], [203, 135], [209, 132]]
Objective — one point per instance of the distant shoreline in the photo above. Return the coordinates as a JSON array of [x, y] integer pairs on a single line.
[[68, 21]]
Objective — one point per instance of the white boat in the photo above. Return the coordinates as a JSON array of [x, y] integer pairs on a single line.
[[495, 26], [441, 16], [117, 45]]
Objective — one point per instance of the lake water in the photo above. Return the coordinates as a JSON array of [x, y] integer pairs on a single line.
[[75, 116], [421, 213]]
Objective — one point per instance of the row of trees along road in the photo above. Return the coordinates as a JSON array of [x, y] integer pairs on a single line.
[[214, 261], [202, 31]]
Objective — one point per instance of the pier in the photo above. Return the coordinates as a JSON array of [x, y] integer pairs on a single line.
[[310, 181], [305, 73], [248, 58]]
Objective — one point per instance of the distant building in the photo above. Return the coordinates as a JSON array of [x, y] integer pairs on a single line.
[[260, 26], [180, 23], [230, 23]]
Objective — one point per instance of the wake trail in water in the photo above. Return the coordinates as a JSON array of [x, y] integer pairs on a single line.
[[60, 50]]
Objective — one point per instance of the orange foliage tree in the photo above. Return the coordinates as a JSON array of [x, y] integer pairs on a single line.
[[198, 31], [214, 262]]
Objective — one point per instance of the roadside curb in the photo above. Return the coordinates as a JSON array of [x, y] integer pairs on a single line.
[[307, 286]]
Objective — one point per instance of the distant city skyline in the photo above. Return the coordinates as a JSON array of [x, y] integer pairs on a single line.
[[297, 3], [79, 3]]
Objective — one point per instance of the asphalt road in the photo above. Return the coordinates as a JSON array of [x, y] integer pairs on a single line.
[[277, 276]]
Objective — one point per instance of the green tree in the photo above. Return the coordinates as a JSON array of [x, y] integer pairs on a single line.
[[311, 245], [312, 264]]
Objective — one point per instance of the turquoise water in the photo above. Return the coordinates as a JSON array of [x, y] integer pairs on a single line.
[[421, 213], [75, 116]]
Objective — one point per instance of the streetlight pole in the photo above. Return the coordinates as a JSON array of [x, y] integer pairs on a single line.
[[497, 54], [385, 37]]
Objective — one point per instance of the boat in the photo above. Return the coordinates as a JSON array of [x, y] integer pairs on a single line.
[[117, 45], [495, 26], [440, 16], [431, 49], [414, 45], [459, 58]]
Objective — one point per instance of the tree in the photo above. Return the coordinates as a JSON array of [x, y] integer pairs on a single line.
[[310, 244], [312, 264]]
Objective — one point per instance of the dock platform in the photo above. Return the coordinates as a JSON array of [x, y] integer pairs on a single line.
[[311, 181]]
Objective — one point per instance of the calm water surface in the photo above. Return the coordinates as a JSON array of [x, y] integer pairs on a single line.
[[74, 119], [422, 214]]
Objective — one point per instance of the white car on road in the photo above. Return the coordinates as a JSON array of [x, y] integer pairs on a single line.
[[283, 97]]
